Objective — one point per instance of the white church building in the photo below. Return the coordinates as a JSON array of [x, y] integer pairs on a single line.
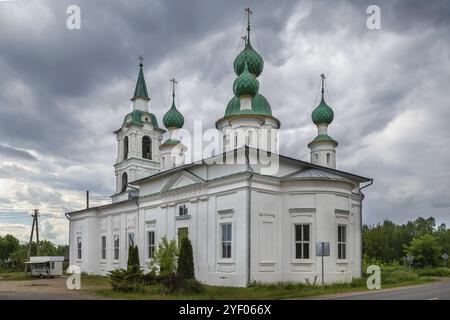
[[250, 213]]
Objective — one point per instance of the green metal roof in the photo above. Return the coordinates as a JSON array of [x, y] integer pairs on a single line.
[[322, 114], [141, 88], [170, 142], [173, 118], [260, 106], [245, 84], [323, 138], [254, 60], [139, 117]]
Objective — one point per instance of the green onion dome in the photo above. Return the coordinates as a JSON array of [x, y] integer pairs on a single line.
[[260, 106], [246, 84], [254, 60], [173, 118], [322, 114]]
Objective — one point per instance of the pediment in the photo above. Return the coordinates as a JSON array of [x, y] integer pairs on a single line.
[[181, 179]]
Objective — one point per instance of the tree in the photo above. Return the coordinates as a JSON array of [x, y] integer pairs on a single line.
[[425, 250], [186, 260], [8, 244], [165, 257], [133, 257]]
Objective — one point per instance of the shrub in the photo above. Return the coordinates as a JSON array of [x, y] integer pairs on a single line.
[[133, 257], [165, 257], [126, 280], [434, 272], [425, 250], [185, 268]]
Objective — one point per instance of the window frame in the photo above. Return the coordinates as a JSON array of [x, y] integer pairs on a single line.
[[124, 183], [103, 246], [147, 146], [151, 248], [116, 249], [223, 254], [183, 210], [342, 243], [302, 242], [79, 248], [126, 148], [132, 237]]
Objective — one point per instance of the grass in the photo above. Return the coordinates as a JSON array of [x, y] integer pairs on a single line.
[[5, 276], [393, 278]]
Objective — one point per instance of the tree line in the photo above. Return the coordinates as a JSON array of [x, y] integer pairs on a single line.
[[13, 254], [421, 239]]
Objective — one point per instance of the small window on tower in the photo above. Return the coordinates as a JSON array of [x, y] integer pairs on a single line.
[[124, 182], [317, 156], [328, 158], [146, 147], [125, 148]]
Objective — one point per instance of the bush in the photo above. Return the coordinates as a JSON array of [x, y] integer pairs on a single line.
[[127, 280], [133, 257], [434, 272], [185, 268], [425, 250], [165, 257]]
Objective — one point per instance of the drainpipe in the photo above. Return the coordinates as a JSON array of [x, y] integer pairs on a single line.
[[361, 223], [249, 210]]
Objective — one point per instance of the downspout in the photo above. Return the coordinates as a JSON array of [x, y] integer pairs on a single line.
[[249, 210], [361, 224]]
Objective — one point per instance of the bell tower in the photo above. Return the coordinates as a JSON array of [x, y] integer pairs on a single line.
[[138, 141]]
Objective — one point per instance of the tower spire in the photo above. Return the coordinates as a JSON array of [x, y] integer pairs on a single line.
[[140, 92], [323, 84], [174, 82], [249, 12]]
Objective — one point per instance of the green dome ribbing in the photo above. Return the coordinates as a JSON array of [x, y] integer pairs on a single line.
[[173, 118], [254, 60], [322, 114], [246, 84]]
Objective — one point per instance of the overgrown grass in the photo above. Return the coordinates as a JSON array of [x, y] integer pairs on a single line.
[[15, 276], [391, 277]]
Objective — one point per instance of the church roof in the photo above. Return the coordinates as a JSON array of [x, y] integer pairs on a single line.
[[320, 172], [314, 173], [139, 117], [141, 88]]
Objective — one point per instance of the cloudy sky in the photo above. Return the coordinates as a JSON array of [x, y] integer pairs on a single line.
[[63, 92]]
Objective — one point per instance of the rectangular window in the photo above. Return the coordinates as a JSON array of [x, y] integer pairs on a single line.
[[302, 241], [79, 248], [103, 247], [151, 243], [226, 240], [131, 239], [53, 265], [182, 233], [116, 247], [342, 242]]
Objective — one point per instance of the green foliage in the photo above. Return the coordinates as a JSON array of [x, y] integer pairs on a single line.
[[165, 257], [425, 250], [126, 280], [386, 242], [185, 268], [133, 257], [434, 272], [13, 254]]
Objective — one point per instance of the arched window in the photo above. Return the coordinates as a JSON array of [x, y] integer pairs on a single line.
[[125, 148], [124, 181], [146, 147]]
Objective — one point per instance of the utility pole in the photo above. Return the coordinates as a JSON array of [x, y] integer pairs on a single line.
[[36, 213], [35, 222]]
